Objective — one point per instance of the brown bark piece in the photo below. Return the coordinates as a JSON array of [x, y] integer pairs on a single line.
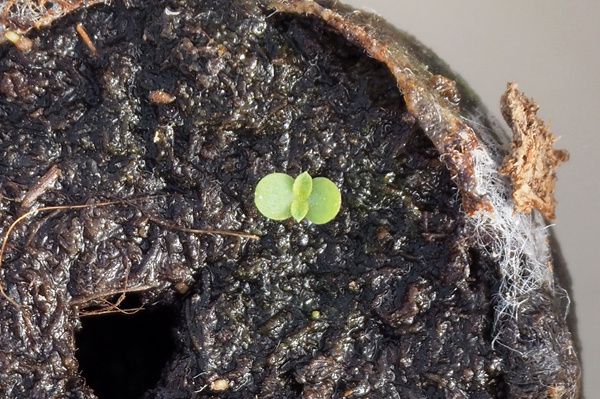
[[533, 160]]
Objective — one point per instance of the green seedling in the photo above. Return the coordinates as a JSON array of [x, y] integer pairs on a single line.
[[279, 196]]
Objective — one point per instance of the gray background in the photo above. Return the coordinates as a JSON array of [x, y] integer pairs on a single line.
[[552, 49]]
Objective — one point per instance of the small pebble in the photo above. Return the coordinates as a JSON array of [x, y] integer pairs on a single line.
[[219, 385]]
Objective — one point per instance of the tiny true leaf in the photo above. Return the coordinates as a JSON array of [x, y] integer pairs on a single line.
[[299, 208], [303, 186]]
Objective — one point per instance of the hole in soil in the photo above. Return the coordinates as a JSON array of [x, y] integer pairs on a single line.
[[122, 356]]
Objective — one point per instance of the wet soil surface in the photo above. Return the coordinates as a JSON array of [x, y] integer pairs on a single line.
[[386, 301]]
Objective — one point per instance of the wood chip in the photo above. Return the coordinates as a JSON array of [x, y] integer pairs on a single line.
[[161, 97], [85, 37], [533, 161]]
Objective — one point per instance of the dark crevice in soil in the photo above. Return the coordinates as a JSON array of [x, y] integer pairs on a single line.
[[122, 356]]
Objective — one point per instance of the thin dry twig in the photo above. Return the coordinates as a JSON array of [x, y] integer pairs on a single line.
[[86, 38], [127, 312], [115, 307], [101, 295], [230, 233], [111, 308], [40, 186], [108, 307]]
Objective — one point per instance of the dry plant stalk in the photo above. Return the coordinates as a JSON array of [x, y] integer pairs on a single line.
[[85, 37]]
